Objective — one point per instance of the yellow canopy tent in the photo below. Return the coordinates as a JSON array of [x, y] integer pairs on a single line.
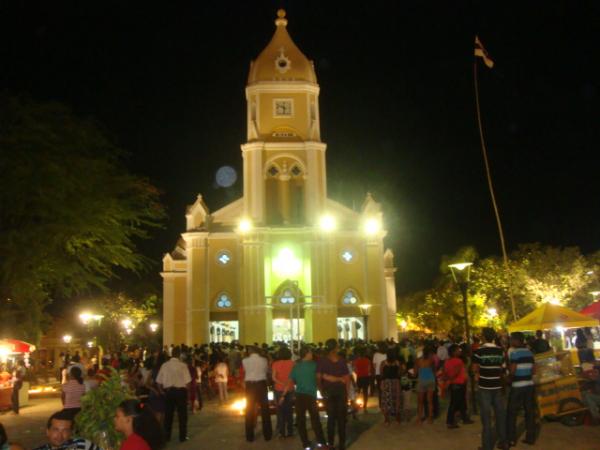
[[549, 316]]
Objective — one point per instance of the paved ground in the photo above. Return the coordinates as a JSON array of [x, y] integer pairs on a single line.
[[221, 428]]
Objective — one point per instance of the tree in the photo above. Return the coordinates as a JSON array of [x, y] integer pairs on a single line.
[[111, 332], [70, 212], [556, 274], [535, 274]]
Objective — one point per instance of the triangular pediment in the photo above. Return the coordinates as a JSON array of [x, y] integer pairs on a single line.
[[230, 214]]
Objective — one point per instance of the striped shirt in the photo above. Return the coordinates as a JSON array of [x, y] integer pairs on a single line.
[[524, 360], [73, 392], [72, 444], [490, 359]]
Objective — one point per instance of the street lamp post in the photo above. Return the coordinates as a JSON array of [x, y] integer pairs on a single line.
[[462, 278], [92, 320], [364, 309], [67, 338]]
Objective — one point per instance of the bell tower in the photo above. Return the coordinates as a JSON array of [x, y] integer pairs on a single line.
[[284, 158]]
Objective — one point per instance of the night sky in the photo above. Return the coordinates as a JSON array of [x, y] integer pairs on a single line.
[[167, 80]]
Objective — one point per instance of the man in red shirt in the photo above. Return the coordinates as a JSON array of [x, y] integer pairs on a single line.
[[456, 374], [362, 369]]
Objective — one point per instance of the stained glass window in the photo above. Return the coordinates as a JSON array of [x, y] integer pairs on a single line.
[[224, 301]]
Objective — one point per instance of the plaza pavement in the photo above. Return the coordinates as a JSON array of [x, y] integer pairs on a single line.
[[220, 428]]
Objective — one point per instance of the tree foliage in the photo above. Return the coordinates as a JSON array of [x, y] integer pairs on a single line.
[[70, 212], [110, 333], [535, 274], [95, 422]]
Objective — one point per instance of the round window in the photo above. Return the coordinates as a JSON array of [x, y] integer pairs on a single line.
[[223, 257], [349, 298], [347, 255]]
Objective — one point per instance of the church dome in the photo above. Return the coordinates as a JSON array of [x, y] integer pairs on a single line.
[[281, 60]]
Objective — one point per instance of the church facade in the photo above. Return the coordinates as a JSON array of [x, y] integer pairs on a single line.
[[284, 261]]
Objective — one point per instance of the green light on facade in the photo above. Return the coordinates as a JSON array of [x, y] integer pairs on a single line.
[[286, 264]]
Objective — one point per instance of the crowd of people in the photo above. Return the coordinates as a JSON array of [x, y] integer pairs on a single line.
[[339, 375]]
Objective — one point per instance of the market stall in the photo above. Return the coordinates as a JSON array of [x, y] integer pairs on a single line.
[[557, 385], [12, 350], [557, 319], [552, 317], [557, 388], [592, 310]]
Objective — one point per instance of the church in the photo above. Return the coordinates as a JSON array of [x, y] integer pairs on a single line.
[[283, 262]]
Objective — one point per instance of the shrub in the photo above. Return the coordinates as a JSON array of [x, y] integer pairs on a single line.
[[95, 421]]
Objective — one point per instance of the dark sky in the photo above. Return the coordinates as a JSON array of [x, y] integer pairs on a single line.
[[397, 106]]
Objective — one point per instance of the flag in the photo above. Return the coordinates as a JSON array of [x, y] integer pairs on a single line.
[[482, 53]]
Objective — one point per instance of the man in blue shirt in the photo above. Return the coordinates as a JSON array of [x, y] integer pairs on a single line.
[[522, 391]]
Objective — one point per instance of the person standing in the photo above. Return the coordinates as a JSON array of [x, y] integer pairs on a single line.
[[488, 367], [540, 345], [378, 357], [17, 384], [333, 375], [456, 375], [174, 377], [72, 391], [255, 384], [281, 370], [304, 376], [362, 368], [425, 366], [522, 392], [390, 399], [139, 426], [193, 386], [222, 378]]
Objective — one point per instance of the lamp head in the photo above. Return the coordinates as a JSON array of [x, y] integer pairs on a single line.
[[460, 266], [245, 225], [364, 308], [327, 223], [459, 273], [85, 317], [372, 226]]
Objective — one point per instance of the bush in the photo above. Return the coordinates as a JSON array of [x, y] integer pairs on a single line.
[[95, 421]]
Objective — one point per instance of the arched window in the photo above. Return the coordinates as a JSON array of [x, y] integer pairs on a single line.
[[287, 297], [350, 298], [287, 293], [285, 177], [224, 301]]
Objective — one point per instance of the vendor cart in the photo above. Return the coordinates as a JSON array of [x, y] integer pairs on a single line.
[[557, 389], [10, 351]]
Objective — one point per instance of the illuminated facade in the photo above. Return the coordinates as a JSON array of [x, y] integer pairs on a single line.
[[284, 260]]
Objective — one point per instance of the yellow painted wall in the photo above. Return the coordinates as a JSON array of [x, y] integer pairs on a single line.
[[179, 308], [267, 122], [224, 278]]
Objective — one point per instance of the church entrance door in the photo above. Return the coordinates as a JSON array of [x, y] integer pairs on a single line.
[[224, 330], [350, 328]]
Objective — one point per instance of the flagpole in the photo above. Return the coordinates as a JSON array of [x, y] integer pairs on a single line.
[[491, 188]]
